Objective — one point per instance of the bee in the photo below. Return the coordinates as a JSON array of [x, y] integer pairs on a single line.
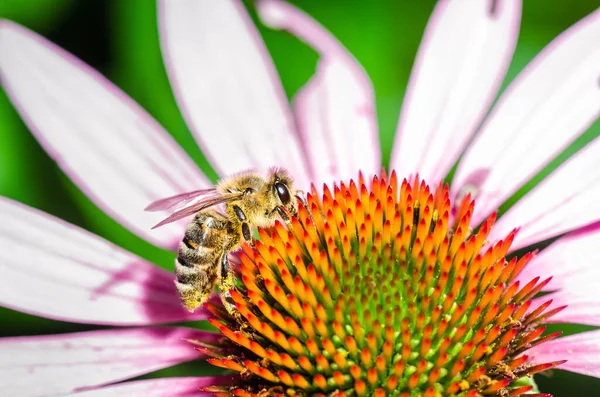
[[250, 201]]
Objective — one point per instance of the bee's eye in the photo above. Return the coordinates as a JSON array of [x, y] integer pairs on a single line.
[[283, 193]]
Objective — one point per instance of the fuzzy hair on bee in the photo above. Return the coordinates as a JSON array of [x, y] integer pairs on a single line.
[[262, 200], [250, 201]]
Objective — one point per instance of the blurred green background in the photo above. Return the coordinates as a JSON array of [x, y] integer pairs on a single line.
[[120, 39]]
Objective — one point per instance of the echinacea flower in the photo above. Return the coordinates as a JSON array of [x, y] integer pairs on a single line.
[[372, 291], [315, 280]]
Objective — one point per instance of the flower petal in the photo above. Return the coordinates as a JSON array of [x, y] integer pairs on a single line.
[[53, 269], [227, 87], [583, 306], [464, 55], [172, 387], [106, 143], [572, 261], [57, 364], [581, 350], [545, 108], [335, 111], [566, 200]]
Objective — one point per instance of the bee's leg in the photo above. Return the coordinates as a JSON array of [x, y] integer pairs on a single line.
[[283, 214], [246, 231], [227, 284], [300, 195]]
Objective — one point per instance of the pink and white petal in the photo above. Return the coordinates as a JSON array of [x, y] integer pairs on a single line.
[[545, 108], [52, 269], [581, 350], [566, 200], [105, 142], [52, 365], [583, 307], [172, 387], [462, 60], [228, 88], [335, 111], [582, 301], [572, 261]]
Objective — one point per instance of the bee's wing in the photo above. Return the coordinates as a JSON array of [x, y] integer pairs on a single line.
[[197, 204], [173, 201]]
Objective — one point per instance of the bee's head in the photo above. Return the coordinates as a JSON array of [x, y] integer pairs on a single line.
[[283, 190]]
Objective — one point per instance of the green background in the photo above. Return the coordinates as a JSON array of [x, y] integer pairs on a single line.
[[120, 38]]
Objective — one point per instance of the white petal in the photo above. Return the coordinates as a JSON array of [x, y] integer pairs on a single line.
[[53, 269], [461, 63], [548, 105], [107, 144], [35, 366], [335, 111], [566, 200], [228, 88]]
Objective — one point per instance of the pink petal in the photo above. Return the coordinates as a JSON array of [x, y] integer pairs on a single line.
[[566, 200], [107, 144], [547, 106], [227, 87], [160, 387], [581, 350], [573, 264], [53, 269], [582, 301], [335, 111], [461, 63], [57, 364], [572, 261]]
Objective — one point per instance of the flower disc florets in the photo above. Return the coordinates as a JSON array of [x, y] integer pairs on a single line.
[[372, 291]]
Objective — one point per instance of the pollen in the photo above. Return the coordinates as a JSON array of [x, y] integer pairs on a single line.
[[376, 288]]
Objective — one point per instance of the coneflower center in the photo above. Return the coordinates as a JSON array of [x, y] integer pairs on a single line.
[[372, 290]]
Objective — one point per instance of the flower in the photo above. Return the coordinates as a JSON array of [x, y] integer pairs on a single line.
[[373, 292], [227, 88]]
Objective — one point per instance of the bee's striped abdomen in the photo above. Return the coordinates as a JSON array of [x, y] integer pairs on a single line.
[[198, 262]]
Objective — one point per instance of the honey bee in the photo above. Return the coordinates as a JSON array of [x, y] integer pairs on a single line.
[[250, 201]]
